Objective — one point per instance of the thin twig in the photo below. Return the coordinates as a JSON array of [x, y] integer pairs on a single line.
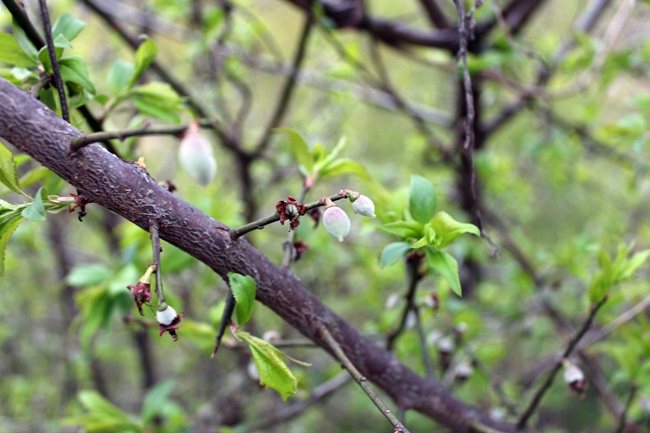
[[262, 222], [18, 13], [623, 419], [428, 364], [362, 381], [412, 264], [155, 246], [84, 140], [537, 398], [51, 51], [225, 321], [289, 86]]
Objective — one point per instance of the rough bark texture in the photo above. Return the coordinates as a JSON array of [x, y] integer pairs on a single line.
[[129, 191]]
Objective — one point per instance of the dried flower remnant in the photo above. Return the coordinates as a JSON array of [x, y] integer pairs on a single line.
[[335, 220], [141, 292], [290, 210], [168, 320]]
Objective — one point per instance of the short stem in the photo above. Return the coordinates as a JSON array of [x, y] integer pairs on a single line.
[[361, 380], [155, 244], [225, 321], [51, 51], [261, 223]]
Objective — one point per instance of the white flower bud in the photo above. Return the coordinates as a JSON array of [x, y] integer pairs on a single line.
[[336, 222], [166, 316], [196, 157], [364, 206]]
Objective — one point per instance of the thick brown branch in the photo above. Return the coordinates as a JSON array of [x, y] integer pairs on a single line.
[[126, 189]]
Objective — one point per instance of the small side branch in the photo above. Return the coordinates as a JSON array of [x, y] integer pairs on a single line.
[[537, 398], [362, 381], [56, 73]]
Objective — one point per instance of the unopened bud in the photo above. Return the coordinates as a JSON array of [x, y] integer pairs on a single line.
[[575, 378], [336, 221], [364, 206], [196, 157]]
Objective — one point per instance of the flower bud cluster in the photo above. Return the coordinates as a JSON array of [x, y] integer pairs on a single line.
[[336, 221]]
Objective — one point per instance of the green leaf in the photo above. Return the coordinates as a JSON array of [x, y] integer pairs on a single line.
[[143, 57], [330, 157], [73, 69], [243, 289], [631, 265], [422, 199], [7, 227], [156, 398], [8, 175], [12, 53], [151, 107], [24, 42], [392, 252], [68, 26], [447, 229], [404, 229], [343, 166], [119, 76], [447, 266], [35, 211], [157, 100], [94, 402], [299, 148], [271, 366], [89, 274]]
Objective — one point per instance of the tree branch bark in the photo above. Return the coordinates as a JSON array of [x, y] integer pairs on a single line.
[[126, 189]]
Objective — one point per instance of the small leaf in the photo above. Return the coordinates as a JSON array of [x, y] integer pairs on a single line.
[[143, 57], [73, 69], [447, 229], [447, 266], [343, 166], [12, 54], [8, 175], [24, 42], [271, 366], [393, 252], [68, 26], [158, 100], [89, 274], [7, 227], [631, 265], [243, 289], [119, 76], [299, 148], [35, 211], [404, 229], [422, 199]]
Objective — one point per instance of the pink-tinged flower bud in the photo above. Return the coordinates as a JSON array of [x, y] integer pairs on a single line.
[[575, 378], [196, 157], [168, 320], [364, 206], [336, 221]]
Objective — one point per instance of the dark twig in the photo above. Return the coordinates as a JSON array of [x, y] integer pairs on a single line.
[[56, 72], [262, 222], [155, 246], [289, 87], [537, 398], [18, 13], [362, 381], [435, 14]]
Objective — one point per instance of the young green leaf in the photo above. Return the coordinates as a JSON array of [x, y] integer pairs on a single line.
[[35, 211], [24, 42], [447, 229], [73, 69], [11, 53], [8, 175], [243, 289], [447, 266], [404, 229], [157, 100], [299, 148], [392, 253], [8, 226], [143, 57], [342, 166], [155, 400], [68, 26], [271, 366], [119, 76], [422, 199]]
